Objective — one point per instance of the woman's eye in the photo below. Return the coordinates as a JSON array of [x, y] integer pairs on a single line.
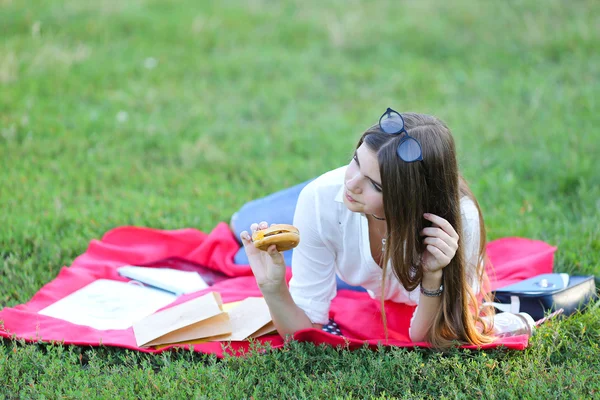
[[377, 188]]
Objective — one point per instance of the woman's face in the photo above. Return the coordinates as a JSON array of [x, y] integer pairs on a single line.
[[363, 183]]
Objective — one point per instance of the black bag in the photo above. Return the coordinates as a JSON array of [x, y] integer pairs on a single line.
[[547, 292]]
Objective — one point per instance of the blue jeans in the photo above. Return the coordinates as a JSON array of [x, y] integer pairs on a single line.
[[279, 208]]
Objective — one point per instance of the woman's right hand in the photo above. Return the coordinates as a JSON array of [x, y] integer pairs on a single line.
[[268, 266]]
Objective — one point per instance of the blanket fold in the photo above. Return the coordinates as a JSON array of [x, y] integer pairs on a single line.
[[358, 315]]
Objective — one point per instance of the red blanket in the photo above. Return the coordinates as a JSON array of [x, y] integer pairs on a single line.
[[356, 313]]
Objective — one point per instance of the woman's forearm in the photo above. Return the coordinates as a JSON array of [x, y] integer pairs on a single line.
[[427, 309], [287, 316]]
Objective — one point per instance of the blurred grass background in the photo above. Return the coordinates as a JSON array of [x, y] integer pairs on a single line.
[[173, 114]]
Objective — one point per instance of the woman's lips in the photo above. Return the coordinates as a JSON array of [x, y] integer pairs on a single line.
[[350, 199]]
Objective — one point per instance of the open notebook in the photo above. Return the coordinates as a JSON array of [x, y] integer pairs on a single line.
[[203, 319]]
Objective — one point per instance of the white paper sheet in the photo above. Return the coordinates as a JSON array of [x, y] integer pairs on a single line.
[[169, 279], [106, 304]]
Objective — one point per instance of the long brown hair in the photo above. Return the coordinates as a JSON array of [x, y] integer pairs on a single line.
[[435, 186]]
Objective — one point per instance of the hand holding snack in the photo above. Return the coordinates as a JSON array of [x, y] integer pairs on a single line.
[[283, 236], [267, 262]]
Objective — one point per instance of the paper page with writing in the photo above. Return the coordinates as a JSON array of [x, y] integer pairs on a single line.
[[105, 304]]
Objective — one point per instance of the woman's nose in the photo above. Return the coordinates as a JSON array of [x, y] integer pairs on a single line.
[[353, 184]]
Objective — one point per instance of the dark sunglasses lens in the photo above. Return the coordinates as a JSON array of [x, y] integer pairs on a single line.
[[391, 123], [409, 150]]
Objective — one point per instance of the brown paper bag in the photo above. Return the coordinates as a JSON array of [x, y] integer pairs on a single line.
[[202, 317]]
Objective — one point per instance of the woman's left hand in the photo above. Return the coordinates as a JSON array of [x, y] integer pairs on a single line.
[[442, 243]]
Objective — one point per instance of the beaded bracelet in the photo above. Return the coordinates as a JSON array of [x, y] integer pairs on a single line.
[[433, 293]]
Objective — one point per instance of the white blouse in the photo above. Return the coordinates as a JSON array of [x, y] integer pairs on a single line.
[[335, 240]]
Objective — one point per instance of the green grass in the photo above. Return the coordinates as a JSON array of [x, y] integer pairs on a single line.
[[173, 114]]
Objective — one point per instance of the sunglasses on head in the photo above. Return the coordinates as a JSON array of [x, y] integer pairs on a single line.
[[409, 148]]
